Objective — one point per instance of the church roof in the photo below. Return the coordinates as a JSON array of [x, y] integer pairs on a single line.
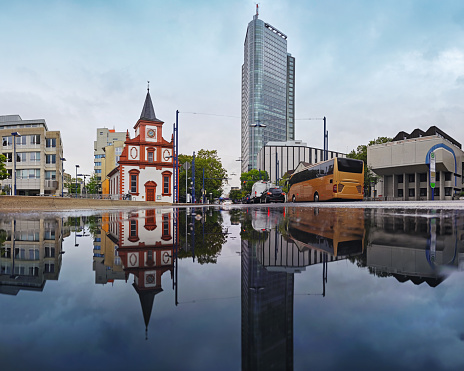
[[148, 112]]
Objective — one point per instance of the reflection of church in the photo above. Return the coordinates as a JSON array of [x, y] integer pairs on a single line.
[[30, 255], [145, 241]]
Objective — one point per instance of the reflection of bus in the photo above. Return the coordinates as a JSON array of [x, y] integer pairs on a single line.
[[337, 231], [337, 178]]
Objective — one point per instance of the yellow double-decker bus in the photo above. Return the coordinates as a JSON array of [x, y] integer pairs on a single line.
[[337, 178]]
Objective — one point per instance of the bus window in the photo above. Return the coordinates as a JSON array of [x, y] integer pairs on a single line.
[[350, 166]]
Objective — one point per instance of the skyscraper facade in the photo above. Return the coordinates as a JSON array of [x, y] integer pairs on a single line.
[[268, 90]]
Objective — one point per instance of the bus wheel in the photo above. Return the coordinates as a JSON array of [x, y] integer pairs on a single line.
[[316, 197], [293, 199]]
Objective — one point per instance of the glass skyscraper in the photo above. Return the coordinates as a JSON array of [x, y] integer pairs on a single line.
[[268, 90]]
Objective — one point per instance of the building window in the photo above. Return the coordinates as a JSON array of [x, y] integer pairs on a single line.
[[423, 177], [166, 233], [166, 183], [21, 141], [134, 181], [412, 192], [7, 141], [98, 164], [133, 230], [400, 192], [436, 191], [51, 142], [98, 171], [50, 175], [35, 156], [448, 191], [50, 159], [423, 192], [150, 156], [437, 176], [21, 157], [447, 176], [411, 178], [35, 139]]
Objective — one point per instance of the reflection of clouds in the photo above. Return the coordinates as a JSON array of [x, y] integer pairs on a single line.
[[370, 319]]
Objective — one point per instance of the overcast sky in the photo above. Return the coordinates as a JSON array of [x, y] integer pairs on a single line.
[[372, 68]]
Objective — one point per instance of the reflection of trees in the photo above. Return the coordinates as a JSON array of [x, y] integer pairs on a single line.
[[207, 234], [94, 224], [3, 237]]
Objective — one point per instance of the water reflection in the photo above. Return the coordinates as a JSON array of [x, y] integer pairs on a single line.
[[31, 251], [279, 247]]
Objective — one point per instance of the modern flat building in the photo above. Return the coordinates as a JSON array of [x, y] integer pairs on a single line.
[[404, 166], [105, 137], [112, 153], [38, 157], [277, 158], [268, 91]]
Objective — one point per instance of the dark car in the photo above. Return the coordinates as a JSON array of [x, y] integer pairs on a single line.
[[273, 194], [246, 199]]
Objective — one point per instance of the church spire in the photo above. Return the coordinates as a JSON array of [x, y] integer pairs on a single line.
[[148, 112]]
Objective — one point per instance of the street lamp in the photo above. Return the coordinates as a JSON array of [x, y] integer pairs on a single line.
[[15, 134], [256, 125], [62, 173], [84, 175], [76, 179]]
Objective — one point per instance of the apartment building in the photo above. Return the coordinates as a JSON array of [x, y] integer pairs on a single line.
[[38, 160], [105, 137]]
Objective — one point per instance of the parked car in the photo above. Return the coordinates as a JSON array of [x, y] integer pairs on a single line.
[[246, 199], [258, 189], [273, 194]]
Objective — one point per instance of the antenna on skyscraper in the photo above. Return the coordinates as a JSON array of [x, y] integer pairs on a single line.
[[257, 6]]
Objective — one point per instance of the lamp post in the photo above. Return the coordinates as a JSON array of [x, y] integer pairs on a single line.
[[62, 174], [14, 134], [76, 179], [256, 125], [83, 175]]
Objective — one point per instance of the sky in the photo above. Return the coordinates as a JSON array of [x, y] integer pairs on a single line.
[[372, 68]]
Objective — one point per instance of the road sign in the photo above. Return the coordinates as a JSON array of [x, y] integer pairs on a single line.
[[432, 170], [186, 165]]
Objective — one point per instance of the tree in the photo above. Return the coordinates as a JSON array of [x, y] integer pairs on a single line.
[[93, 185], [251, 177], [3, 171], [71, 185], [235, 194], [361, 154], [215, 174]]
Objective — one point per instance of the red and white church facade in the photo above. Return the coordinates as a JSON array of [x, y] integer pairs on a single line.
[[146, 164]]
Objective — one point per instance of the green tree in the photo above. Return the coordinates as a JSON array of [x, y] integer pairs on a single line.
[[3, 171], [93, 184], [215, 174], [71, 185], [370, 178], [251, 177], [235, 194]]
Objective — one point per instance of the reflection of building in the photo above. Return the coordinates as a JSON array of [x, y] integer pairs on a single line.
[[145, 243], [268, 90], [145, 165], [404, 165], [106, 261], [415, 247], [31, 254], [38, 154], [267, 314]]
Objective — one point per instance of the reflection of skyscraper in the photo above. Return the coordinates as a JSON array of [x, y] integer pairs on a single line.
[[267, 314], [268, 95], [31, 254]]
